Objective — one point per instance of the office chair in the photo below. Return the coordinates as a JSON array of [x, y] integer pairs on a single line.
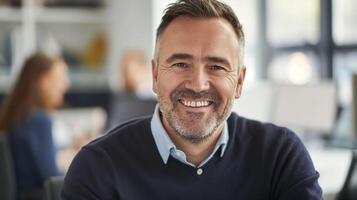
[[7, 175], [53, 187], [349, 189]]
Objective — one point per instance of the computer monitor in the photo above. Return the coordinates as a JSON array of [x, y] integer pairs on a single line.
[[310, 107], [125, 106]]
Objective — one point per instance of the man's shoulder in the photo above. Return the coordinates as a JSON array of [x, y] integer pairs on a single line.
[[267, 140], [279, 150], [128, 143], [127, 133], [254, 129]]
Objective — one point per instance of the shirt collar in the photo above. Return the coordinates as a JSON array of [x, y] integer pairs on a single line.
[[164, 144]]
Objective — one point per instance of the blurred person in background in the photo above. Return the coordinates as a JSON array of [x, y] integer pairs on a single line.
[[135, 98], [135, 73], [25, 117]]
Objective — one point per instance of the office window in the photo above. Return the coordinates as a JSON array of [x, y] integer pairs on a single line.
[[293, 36], [344, 21], [345, 64], [292, 22], [294, 68], [345, 53]]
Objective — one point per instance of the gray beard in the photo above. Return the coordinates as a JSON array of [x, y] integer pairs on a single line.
[[180, 128], [191, 135]]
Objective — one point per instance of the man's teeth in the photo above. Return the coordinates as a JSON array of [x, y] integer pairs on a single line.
[[195, 103]]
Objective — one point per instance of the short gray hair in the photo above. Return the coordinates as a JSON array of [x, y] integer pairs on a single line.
[[203, 9]]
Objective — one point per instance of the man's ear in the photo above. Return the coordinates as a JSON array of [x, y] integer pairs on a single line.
[[154, 70], [240, 82]]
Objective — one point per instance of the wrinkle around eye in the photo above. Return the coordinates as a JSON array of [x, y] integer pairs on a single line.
[[233, 77], [164, 68]]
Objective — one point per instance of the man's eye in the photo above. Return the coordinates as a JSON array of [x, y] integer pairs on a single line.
[[216, 68], [180, 65]]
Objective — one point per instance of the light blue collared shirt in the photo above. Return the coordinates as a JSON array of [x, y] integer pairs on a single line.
[[166, 147]]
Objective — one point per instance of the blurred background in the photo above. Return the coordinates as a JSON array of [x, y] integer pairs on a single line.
[[301, 57]]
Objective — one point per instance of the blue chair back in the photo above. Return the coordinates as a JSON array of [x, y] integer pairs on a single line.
[[7, 175]]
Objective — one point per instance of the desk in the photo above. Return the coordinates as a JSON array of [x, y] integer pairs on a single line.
[[332, 163]]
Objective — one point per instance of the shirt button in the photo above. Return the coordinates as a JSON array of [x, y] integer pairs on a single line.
[[199, 171]]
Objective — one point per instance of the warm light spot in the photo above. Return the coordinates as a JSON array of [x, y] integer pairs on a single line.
[[300, 69]]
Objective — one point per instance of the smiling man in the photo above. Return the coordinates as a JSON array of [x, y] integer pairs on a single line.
[[197, 75], [193, 147]]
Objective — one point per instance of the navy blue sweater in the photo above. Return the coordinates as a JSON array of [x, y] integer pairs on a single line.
[[262, 161]]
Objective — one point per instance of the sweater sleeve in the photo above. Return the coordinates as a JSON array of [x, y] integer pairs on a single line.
[[298, 178], [41, 145], [90, 176]]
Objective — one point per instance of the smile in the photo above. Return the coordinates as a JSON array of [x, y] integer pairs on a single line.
[[195, 104]]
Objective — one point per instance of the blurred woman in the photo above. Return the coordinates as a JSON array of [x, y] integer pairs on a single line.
[[25, 118]]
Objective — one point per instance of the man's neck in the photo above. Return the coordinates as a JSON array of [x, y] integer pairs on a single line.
[[196, 153]]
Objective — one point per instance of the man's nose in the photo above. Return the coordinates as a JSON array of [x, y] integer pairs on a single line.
[[198, 81]]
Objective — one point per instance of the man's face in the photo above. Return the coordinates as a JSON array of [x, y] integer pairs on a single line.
[[195, 75]]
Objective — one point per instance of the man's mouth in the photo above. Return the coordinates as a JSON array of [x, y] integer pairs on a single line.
[[195, 103]]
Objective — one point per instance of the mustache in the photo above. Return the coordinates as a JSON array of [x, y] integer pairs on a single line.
[[211, 95]]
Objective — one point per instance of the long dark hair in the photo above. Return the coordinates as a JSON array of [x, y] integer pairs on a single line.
[[25, 96]]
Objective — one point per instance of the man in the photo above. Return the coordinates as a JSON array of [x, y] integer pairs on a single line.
[[193, 147]]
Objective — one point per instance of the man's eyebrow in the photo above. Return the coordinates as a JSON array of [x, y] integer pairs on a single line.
[[218, 60], [178, 56]]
